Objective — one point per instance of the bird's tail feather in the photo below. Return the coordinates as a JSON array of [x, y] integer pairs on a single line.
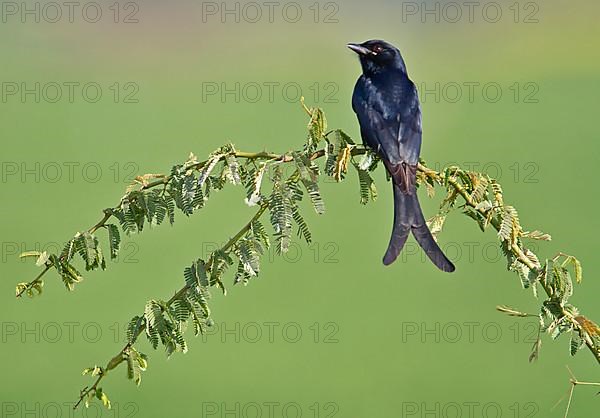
[[408, 217]]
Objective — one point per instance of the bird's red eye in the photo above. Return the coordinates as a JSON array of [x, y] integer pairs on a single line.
[[377, 48]]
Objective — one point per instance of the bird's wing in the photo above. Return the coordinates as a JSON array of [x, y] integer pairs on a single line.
[[394, 133], [410, 130]]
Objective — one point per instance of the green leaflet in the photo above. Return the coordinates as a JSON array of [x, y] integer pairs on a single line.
[[162, 325], [103, 398], [260, 233], [241, 275], [576, 264], [280, 206], [477, 217], [233, 172], [338, 154], [576, 343], [208, 168], [480, 191], [538, 235], [310, 179], [561, 282], [134, 327], [180, 309], [303, 229], [196, 276], [114, 240], [368, 191], [317, 126], [249, 250], [87, 246], [436, 223], [369, 161], [136, 364], [510, 228], [221, 261], [254, 183], [497, 192]]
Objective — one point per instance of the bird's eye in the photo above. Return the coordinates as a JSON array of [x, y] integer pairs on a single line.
[[377, 48]]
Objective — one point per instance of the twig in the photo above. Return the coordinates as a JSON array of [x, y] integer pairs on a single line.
[[574, 382], [120, 356], [516, 250], [108, 213]]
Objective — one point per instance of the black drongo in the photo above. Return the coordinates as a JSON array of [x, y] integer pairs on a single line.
[[387, 105]]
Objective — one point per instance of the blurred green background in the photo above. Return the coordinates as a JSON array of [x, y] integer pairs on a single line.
[[375, 341]]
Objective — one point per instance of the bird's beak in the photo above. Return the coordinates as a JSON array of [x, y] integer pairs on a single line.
[[359, 49]]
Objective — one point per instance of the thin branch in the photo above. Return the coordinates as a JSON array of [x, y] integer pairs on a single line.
[[34, 281], [48, 265], [574, 382], [225, 247], [165, 180], [85, 391], [116, 360], [108, 213], [516, 250]]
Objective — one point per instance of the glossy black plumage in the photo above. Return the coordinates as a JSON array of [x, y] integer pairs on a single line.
[[387, 105]]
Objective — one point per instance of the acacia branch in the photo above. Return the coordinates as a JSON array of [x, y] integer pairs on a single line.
[[284, 158], [122, 355], [164, 180], [517, 252]]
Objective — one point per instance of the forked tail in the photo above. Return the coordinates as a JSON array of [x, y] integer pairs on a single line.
[[408, 217]]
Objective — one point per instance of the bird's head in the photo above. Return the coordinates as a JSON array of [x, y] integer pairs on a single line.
[[376, 55]]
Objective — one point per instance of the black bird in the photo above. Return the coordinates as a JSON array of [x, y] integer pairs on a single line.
[[387, 105]]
